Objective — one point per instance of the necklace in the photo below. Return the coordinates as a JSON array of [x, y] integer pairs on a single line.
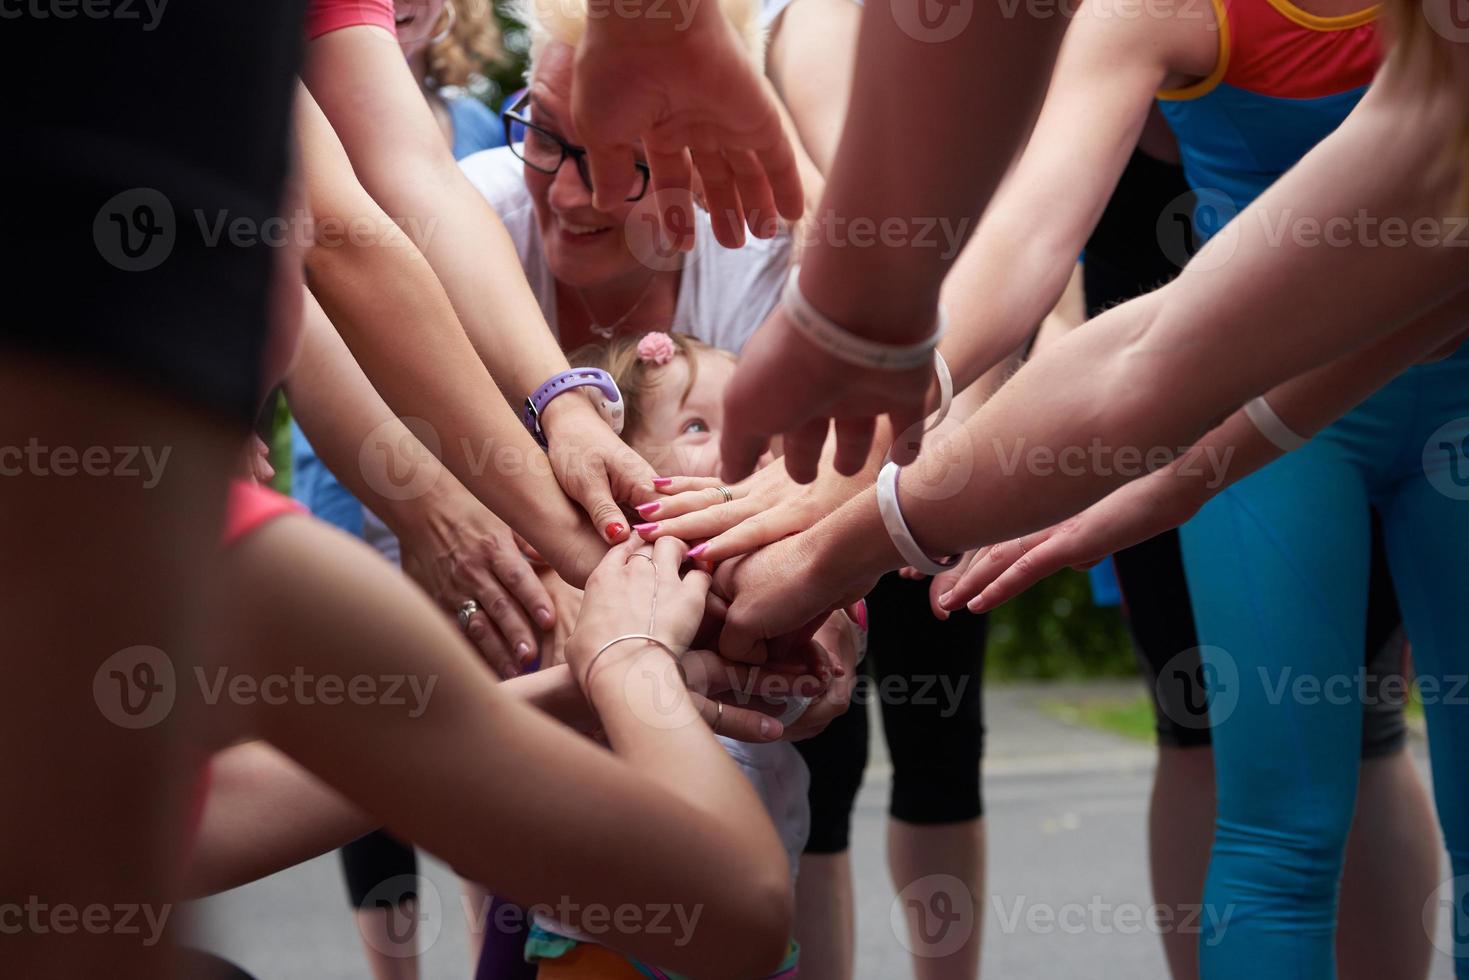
[[607, 332]]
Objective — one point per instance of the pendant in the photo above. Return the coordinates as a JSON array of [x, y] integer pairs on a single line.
[[604, 332]]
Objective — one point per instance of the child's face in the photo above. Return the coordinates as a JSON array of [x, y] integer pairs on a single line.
[[683, 439]]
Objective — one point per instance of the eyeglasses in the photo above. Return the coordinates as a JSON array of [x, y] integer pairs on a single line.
[[545, 151]]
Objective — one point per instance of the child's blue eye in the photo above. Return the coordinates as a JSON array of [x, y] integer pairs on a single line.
[[695, 425]]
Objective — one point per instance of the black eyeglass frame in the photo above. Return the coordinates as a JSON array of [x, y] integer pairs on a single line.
[[516, 115]]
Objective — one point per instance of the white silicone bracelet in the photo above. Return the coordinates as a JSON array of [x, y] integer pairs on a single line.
[[946, 392], [841, 343], [1272, 427], [897, 527]]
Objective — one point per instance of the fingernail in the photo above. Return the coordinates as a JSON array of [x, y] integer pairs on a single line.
[[522, 650], [862, 615], [545, 617], [615, 531], [698, 550], [645, 529], [944, 599], [767, 727], [648, 509], [662, 481], [976, 604]]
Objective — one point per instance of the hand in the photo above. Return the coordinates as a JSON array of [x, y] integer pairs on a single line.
[[594, 466], [766, 507], [462, 551], [693, 96], [257, 460], [1135, 512], [637, 589], [779, 596], [785, 384], [836, 638], [568, 610]]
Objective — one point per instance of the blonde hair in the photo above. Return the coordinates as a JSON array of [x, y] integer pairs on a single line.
[[634, 376], [566, 21], [471, 43]]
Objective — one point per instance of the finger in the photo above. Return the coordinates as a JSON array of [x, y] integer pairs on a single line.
[[908, 423], [631, 477], [705, 501], [510, 620], [739, 641], [748, 535], [754, 191], [740, 724], [672, 179], [690, 501], [803, 449], [1036, 564], [987, 565], [722, 199], [515, 573], [778, 159], [668, 555], [706, 524], [491, 645], [674, 485], [613, 169], [595, 496], [854, 444]]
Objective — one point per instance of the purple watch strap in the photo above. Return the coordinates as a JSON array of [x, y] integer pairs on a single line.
[[560, 384]]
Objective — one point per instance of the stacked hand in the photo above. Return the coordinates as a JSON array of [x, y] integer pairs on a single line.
[[786, 385], [696, 101], [594, 466]]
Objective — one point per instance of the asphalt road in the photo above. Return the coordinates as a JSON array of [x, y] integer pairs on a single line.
[[1066, 815]]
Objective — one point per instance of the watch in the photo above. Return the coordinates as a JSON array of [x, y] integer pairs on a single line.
[[605, 396]]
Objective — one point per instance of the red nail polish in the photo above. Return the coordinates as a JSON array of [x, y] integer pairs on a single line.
[[698, 550], [648, 509], [645, 529], [662, 481], [615, 531]]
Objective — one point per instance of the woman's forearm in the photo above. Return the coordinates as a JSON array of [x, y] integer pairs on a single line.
[[385, 465]]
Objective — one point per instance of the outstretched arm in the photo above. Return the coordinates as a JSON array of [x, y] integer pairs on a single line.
[[1254, 309], [384, 133]]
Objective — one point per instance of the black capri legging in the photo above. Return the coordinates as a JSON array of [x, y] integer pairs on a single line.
[[926, 675], [381, 871]]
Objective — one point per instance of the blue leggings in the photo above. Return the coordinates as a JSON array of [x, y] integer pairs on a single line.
[[1278, 569]]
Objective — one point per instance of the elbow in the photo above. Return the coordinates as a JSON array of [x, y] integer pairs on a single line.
[[747, 935]]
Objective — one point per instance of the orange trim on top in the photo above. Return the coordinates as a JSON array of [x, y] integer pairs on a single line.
[[1206, 85], [1316, 22]]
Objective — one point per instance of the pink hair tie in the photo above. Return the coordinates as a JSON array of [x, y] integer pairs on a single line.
[[656, 348]]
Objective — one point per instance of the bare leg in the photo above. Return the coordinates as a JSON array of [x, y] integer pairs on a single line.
[[825, 916], [390, 939], [918, 850], [1393, 857], [94, 565], [1180, 834]]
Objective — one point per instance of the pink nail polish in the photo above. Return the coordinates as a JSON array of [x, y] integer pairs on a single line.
[[862, 615], [662, 481], [698, 550], [645, 529], [648, 509]]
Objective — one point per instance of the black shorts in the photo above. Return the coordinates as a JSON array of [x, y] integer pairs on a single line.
[[130, 140], [927, 677], [1126, 257]]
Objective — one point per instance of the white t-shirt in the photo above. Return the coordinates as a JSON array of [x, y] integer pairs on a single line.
[[724, 293]]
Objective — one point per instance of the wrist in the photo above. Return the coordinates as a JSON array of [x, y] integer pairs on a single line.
[[880, 313], [852, 544], [569, 411]]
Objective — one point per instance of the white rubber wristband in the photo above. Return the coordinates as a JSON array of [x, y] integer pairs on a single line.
[[1272, 427], [844, 345], [897, 527], [946, 392]]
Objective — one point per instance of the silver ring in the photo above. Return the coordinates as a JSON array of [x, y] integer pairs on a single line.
[[466, 612], [726, 493], [639, 554], [718, 716]]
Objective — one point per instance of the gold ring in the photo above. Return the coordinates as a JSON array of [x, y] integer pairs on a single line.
[[718, 715]]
